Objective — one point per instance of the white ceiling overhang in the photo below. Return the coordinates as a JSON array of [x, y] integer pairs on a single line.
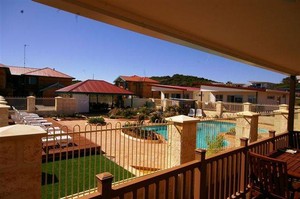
[[261, 33]]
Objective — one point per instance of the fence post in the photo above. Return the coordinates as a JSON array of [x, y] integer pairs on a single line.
[[200, 176], [20, 161], [219, 108], [181, 139], [247, 106], [272, 143], [4, 115], [244, 166], [31, 104], [281, 118], [246, 126], [104, 183]]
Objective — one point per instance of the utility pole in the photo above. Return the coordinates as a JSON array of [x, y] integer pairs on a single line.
[[25, 45]]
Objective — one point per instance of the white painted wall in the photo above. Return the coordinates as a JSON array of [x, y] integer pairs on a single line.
[[82, 103]]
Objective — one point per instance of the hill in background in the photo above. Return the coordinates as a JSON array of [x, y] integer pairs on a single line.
[[181, 80]]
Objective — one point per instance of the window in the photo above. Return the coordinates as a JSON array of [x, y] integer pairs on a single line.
[[235, 98], [174, 95], [219, 98], [251, 98], [186, 96], [167, 95], [270, 97], [32, 80]]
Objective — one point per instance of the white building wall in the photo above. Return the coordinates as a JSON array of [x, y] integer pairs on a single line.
[[82, 102]]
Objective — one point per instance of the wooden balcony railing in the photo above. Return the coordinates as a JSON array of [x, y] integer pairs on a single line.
[[224, 175]]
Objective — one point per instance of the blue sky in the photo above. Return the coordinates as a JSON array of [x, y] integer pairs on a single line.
[[84, 48]]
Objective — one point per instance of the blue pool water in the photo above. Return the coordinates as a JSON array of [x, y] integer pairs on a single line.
[[211, 128]]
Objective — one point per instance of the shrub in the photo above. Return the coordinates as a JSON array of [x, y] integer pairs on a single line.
[[155, 117], [172, 111], [97, 120], [215, 143], [231, 131], [129, 113]]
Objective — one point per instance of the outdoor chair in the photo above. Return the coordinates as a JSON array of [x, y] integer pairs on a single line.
[[199, 113], [192, 112], [269, 178]]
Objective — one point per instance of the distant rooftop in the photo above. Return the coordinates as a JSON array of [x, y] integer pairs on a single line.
[[94, 86], [183, 88], [136, 78], [42, 72]]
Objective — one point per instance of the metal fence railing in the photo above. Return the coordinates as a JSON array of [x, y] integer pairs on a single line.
[[232, 107], [264, 108], [210, 106], [72, 158]]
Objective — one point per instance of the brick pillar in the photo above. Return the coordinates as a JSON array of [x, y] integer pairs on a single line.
[[4, 115], [219, 108], [31, 104], [247, 106], [246, 126], [59, 104], [181, 139], [20, 161], [281, 118]]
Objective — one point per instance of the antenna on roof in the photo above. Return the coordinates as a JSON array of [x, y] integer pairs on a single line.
[[25, 45]]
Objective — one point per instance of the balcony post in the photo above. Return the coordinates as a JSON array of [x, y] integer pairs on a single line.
[[200, 176], [104, 184], [291, 116], [31, 104], [244, 166], [272, 143], [20, 161], [181, 139]]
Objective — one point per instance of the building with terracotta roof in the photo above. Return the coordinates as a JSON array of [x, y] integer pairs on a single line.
[[95, 95], [25, 81], [140, 86]]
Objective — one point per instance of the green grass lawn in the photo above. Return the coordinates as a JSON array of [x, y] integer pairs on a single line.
[[62, 178]]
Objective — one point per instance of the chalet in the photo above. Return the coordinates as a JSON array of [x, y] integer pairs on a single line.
[[95, 95], [25, 81], [140, 86]]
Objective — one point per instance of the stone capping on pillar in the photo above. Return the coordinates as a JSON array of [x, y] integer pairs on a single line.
[[21, 130], [283, 109], [247, 106], [182, 119], [247, 114]]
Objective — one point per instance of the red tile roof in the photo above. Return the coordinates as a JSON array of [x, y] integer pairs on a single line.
[[183, 88], [136, 78], [94, 86], [42, 72]]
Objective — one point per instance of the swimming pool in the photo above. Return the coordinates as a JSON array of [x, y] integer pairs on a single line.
[[205, 128]]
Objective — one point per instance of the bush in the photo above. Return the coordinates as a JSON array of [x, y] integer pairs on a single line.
[[97, 120], [129, 113], [155, 117], [231, 131], [172, 111], [215, 143]]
